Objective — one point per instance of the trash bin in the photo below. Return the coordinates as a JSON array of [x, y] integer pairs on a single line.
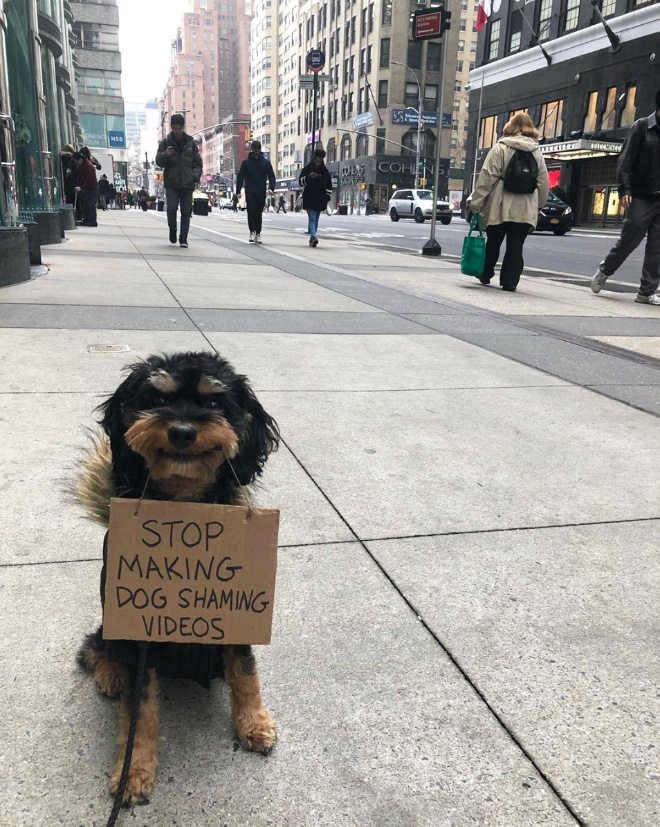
[[342, 209], [201, 206], [161, 205]]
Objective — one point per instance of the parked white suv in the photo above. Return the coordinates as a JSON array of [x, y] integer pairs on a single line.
[[418, 204]]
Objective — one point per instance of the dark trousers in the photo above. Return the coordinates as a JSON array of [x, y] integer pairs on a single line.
[[179, 198], [255, 207], [642, 219], [512, 264], [89, 199]]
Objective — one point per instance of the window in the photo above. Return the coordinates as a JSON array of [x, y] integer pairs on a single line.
[[100, 82], [494, 38], [96, 36], [386, 18], [384, 52], [353, 30], [415, 54], [608, 7], [345, 148], [459, 65], [544, 19], [363, 64], [380, 140], [371, 18], [363, 23], [461, 45], [551, 124], [382, 94], [360, 99], [488, 132], [362, 145], [458, 86], [570, 15], [370, 51], [628, 113], [430, 96], [591, 116], [433, 57], [515, 29], [412, 95], [332, 151], [609, 116]]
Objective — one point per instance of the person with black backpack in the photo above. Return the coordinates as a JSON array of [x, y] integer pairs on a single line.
[[512, 187]]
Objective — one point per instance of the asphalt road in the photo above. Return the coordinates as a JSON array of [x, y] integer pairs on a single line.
[[579, 252]]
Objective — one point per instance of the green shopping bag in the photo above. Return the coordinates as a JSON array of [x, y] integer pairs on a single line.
[[474, 249]]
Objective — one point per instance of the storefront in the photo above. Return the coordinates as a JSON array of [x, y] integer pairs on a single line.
[[8, 190], [378, 176], [586, 173]]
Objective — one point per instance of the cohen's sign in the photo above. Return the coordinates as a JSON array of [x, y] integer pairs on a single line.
[[406, 168]]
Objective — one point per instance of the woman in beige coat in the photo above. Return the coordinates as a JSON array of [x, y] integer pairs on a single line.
[[507, 214]]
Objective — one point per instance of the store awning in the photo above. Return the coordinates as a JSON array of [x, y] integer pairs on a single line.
[[580, 149]]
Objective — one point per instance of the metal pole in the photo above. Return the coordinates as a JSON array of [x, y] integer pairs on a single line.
[[432, 248], [419, 133], [316, 89]]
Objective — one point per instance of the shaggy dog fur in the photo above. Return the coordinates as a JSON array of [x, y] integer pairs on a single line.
[[168, 432]]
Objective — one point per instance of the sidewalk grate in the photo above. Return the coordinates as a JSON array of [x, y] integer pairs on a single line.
[[108, 348]]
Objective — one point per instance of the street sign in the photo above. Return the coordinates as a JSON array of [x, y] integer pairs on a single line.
[[430, 24], [409, 118], [315, 60], [364, 119]]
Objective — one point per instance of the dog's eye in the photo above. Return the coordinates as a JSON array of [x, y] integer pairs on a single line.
[[213, 405], [158, 402]]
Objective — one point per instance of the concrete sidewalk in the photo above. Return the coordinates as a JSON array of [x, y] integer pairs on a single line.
[[466, 624]]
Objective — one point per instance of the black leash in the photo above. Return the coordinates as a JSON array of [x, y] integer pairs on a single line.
[[135, 712]]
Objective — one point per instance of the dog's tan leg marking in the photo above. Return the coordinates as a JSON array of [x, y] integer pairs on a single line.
[[145, 758], [254, 726], [108, 675]]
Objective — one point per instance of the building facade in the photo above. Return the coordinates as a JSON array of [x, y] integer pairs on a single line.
[[98, 76], [583, 78], [377, 80]]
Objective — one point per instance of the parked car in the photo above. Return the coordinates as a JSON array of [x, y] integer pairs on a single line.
[[418, 204], [555, 217]]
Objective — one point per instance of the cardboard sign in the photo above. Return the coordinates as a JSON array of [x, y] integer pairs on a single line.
[[189, 572]]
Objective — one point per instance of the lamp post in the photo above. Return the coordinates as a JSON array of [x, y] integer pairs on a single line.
[[419, 118]]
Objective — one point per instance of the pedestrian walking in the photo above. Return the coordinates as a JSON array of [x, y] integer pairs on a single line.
[[234, 202], [639, 189], [89, 189], [317, 183], [511, 188], [129, 199], [104, 192], [179, 156], [367, 205], [112, 197], [255, 173], [72, 186], [281, 205], [143, 199]]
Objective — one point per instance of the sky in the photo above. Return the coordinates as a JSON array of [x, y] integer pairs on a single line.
[[146, 29]]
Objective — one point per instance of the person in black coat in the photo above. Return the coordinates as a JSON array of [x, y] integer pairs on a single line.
[[255, 174], [317, 182]]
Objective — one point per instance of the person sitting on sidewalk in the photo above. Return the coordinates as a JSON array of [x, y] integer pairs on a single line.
[[639, 189], [255, 171], [512, 186], [179, 156], [317, 183]]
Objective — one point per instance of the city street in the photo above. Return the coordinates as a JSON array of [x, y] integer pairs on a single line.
[[466, 621], [577, 253]]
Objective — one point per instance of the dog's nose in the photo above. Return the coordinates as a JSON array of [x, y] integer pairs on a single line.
[[182, 436]]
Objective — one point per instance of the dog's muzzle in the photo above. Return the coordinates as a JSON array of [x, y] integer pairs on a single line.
[[182, 436]]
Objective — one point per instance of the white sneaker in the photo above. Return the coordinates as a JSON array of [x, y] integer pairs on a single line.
[[598, 281], [257, 238], [654, 299], [252, 238]]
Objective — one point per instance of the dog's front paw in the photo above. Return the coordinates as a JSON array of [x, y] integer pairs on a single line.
[[257, 732], [109, 678], [140, 782]]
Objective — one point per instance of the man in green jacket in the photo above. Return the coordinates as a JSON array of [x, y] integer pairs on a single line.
[[179, 156]]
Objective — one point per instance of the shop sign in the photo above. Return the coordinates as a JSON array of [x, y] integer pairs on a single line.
[[364, 119], [409, 118], [351, 173], [117, 139]]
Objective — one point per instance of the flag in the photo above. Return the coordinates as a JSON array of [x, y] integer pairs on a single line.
[[486, 8]]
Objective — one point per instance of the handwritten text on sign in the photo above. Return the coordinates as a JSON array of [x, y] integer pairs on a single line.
[[190, 572]]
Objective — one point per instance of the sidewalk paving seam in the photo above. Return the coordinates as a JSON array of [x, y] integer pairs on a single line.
[[456, 663], [358, 541]]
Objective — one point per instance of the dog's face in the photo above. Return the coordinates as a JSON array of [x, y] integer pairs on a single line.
[[187, 414]]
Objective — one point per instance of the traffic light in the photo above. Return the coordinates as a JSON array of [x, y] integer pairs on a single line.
[[248, 133], [363, 186], [445, 21]]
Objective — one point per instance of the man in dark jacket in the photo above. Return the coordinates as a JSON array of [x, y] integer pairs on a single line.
[[639, 188], [89, 187], [179, 156], [255, 170]]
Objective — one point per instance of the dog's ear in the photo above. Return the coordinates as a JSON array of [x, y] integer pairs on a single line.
[[112, 419], [260, 438]]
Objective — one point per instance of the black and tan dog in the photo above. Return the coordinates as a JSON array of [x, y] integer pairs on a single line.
[[169, 430]]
